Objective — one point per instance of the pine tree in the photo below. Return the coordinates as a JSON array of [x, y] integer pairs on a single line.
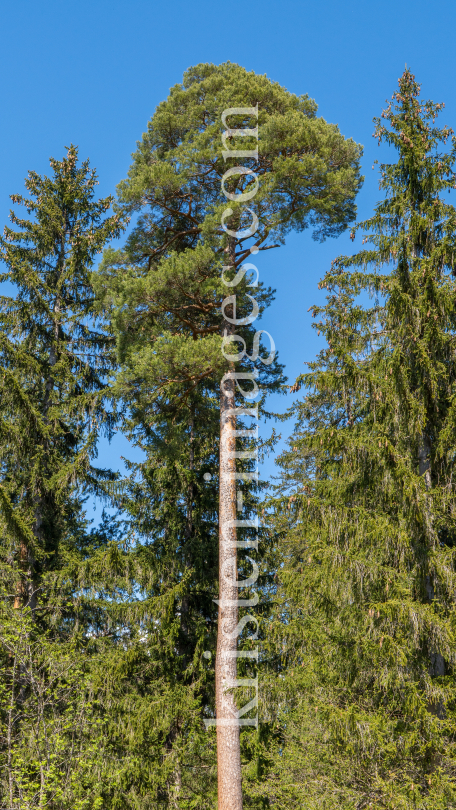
[[165, 292], [367, 511], [172, 506]]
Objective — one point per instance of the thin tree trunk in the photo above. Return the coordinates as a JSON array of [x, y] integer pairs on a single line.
[[424, 461], [228, 739], [26, 590]]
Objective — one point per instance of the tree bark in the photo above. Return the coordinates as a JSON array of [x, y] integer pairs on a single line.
[[228, 738], [424, 460], [26, 587]]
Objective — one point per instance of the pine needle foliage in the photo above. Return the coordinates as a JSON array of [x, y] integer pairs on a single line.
[[163, 296], [366, 637]]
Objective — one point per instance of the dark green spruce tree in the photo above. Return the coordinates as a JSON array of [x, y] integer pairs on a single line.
[[55, 364], [365, 636]]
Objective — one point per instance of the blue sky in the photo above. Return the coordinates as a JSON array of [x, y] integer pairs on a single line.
[[92, 73]]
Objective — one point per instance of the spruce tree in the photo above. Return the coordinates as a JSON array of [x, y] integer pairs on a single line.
[[55, 366], [366, 629], [54, 361]]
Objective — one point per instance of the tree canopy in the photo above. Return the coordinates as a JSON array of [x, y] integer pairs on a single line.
[[368, 617]]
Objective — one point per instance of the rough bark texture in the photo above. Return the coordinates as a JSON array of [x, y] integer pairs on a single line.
[[228, 741], [26, 588], [228, 744]]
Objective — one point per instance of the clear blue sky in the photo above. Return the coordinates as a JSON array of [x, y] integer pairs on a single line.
[[93, 72]]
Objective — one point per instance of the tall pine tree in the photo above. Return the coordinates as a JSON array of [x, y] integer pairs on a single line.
[[166, 292]]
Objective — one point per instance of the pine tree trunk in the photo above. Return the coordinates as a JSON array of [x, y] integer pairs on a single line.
[[228, 738]]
